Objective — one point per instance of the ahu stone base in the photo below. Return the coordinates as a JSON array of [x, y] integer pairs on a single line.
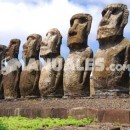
[[104, 110]]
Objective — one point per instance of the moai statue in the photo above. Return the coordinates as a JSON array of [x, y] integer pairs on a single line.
[[110, 75], [31, 72], [11, 71], [76, 78], [2, 56], [51, 78]]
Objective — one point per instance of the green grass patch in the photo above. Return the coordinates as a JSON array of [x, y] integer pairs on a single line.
[[22, 123]]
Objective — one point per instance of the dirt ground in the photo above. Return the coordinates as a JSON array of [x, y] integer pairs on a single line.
[[98, 103]]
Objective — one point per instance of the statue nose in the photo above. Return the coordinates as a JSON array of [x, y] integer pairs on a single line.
[[75, 24], [25, 45], [73, 28], [104, 22], [108, 14], [44, 42], [72, 32]]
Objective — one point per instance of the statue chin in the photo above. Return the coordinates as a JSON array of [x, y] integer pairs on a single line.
[[74, 41], [108, 32], [47, 52]]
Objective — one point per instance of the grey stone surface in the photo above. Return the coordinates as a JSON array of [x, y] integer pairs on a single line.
[[51, 78], [12, 70], [109, 77], [2, 56], [77, 81], [31, 72]]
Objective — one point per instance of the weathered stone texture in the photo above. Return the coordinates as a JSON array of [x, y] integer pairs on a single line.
[[77, 81], [51, 78], [129, 85], [92, 90], [11, 73], [31, 72], [114, 51], [2, 56]]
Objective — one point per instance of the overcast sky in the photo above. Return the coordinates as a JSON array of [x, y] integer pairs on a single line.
[[20, 18]]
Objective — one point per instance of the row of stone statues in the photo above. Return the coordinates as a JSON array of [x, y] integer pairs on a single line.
[[59, 78]]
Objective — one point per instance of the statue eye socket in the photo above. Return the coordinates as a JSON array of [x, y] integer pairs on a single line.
[[82, 20], [33, 38], [115, 11], [13, 43], [104, 12], [71, 23], [52, 33]]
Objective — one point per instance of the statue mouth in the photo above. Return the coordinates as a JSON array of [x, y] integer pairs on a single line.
[[103, 23], [45, 48], [45, 51]]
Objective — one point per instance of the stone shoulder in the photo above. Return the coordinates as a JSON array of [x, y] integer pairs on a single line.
[[89, 52]]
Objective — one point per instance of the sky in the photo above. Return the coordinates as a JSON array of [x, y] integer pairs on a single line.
[[20, 18]]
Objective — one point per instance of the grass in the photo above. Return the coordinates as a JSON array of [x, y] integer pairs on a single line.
[[22, 123]]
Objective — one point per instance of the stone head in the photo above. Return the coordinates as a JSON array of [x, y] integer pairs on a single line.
[[114, 19], [32, 47], [80, 25], [51, 43], [12, 50]]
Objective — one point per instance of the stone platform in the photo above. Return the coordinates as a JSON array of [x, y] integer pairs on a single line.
[[95, 126], [113, 110]]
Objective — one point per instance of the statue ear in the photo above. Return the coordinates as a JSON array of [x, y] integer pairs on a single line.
[[58, 42], [39, 43], [89, 24], [38, 46], [125, 18]]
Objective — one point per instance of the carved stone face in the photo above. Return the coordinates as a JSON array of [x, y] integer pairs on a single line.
[[13, 49], [114, 19], [51, 43], [32, 46], [80, 25]]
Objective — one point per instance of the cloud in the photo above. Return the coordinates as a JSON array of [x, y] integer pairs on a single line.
[[20, 18], [38, 19], [31, 2], [99, 2]]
